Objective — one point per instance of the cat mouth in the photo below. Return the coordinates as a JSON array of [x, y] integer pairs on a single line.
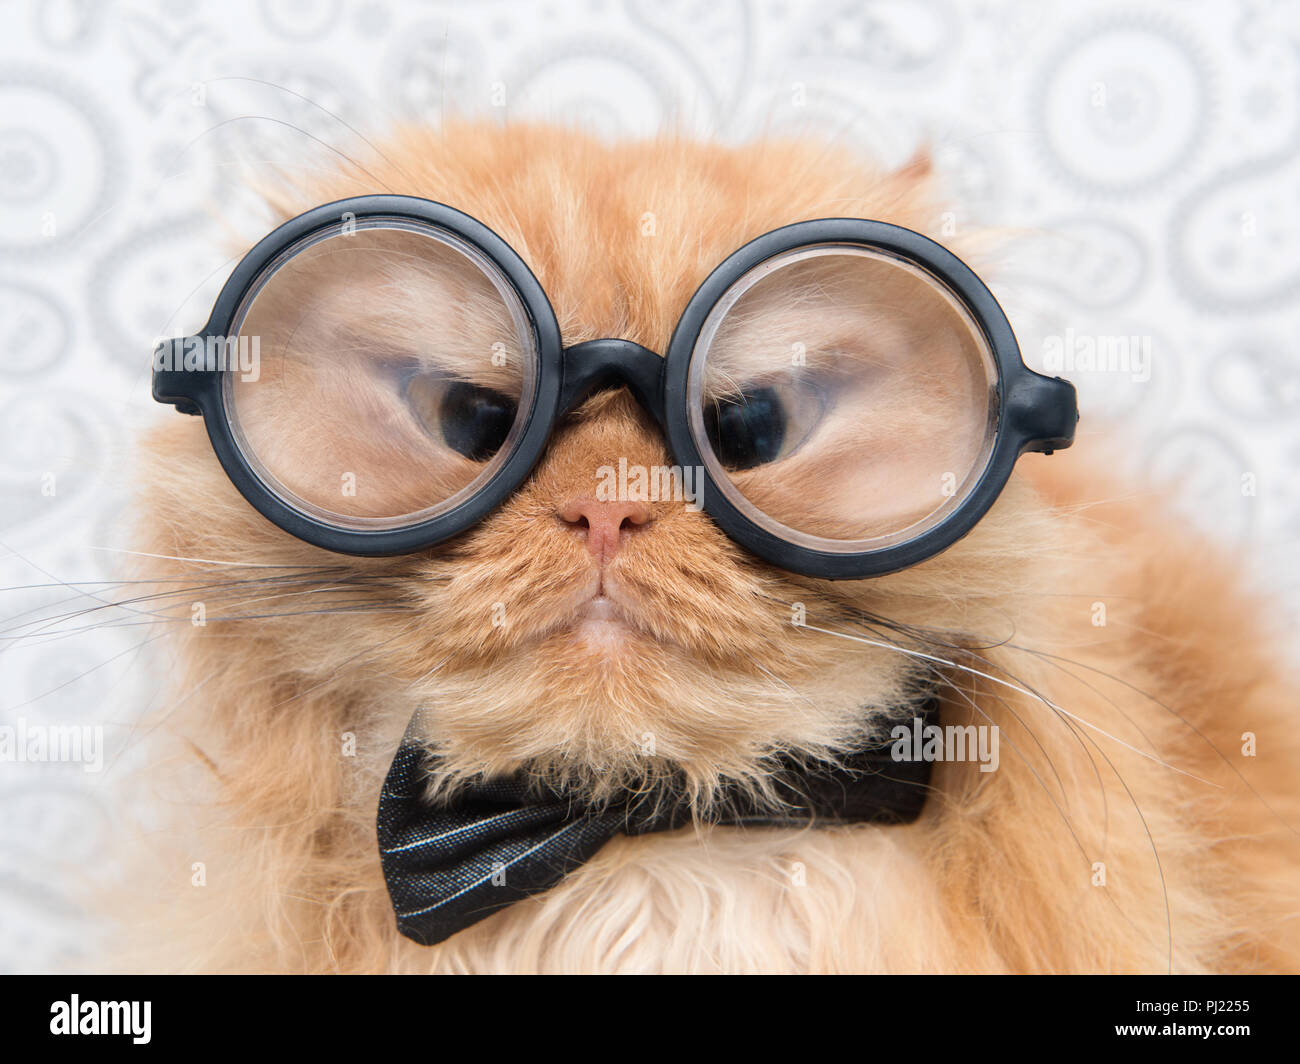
[[600, 621], [599, 614], [601, 617]]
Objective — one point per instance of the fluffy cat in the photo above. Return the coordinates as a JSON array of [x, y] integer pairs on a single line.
[[1123, 830]]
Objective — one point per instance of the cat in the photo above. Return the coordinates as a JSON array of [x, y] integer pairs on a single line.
[[1122, 831]]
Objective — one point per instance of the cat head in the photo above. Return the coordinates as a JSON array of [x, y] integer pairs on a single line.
[[597, 640]]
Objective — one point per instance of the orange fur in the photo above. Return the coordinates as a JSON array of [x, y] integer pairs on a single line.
[[996, 876]]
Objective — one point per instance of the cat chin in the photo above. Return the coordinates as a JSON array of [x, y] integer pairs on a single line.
[[605, 636]]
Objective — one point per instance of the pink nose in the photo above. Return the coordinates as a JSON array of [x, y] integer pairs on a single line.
[[604, 525]]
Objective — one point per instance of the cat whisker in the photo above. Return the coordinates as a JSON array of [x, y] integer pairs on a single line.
[[287, 125], [1101, 790], [1155, 852], [1056, 659], [1025, 725], [206, 561], [1020, 690], [41, 636], [81, 675], [948, 683], [293, 594], [1067, 717], [128, 605], [929, 637], [324, 110], [308, 613], [45, 623]]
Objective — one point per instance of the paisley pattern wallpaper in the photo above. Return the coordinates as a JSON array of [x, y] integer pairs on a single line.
[[1142, 158]]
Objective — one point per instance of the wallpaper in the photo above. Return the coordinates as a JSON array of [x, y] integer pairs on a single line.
[[1139, 161]]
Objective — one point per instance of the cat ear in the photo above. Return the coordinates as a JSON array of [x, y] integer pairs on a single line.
[[920, 167]]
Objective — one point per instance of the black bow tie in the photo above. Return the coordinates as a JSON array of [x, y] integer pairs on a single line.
[[499, 841]]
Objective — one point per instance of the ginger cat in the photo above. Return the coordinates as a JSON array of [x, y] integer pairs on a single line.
[[1123, 830]]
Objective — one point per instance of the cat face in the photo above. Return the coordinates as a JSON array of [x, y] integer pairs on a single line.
[[602, 640]]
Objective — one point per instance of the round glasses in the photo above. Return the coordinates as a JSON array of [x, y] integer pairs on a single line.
[[843, 397]]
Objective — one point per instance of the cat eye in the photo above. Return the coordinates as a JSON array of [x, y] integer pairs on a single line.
[[762, 423], [472, 420], [379, 374], [746, 430]]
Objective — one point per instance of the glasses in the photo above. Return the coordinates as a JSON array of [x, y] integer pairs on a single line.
[[843, 397]]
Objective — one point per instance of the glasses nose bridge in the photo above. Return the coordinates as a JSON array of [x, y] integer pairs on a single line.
[[595, 365]]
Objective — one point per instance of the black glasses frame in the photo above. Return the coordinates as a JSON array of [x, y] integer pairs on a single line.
[[1034, 412]]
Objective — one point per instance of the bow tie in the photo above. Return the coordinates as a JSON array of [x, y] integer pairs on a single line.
[[503, 839]]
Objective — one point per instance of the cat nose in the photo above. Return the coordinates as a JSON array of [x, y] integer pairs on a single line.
[[604, 525]]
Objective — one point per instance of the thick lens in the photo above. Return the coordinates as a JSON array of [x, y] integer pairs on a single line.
[[381, 373], [843, 398]]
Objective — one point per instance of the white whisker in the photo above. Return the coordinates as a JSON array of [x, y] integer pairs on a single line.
[[1014, 687], [200, 561]]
